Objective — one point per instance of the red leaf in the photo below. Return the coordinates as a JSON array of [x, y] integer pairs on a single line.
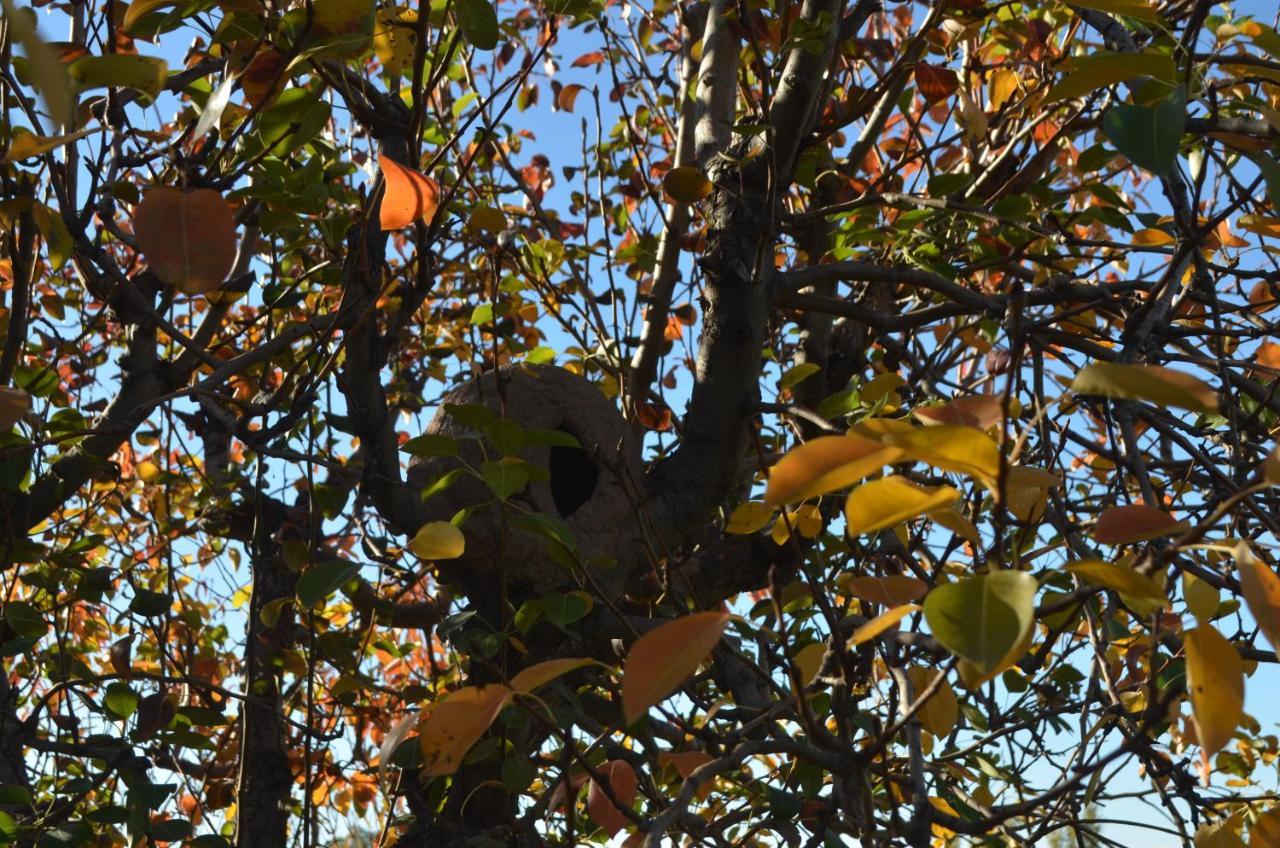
[[936, 84], [595, 57]]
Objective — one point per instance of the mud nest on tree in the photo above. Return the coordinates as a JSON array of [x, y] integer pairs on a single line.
[[585, 488]]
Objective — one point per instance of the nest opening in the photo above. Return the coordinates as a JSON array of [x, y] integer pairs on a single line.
[[573, 478]]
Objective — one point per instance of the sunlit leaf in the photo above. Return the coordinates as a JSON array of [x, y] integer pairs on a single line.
[[966, 450], [544, 672], [452, 725], [146, 74], [979, 411], [1126, 525], [1154, 383], [1261, 588], [941, 711], [983, 618], [749, 517], [686, 184], [825, 464], [881, 623], [438, 540], [1104, 69], [936, 84], [26, 144], [409, 196], [883, 503], [1215, 677], [890, 591], [663, 658], [1139, 590]]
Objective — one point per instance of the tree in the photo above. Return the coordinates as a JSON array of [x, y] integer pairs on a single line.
[[714, 423]]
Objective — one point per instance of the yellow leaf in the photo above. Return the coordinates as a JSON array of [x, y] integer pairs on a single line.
[[941, 712], [748, 517], [661, 659], [881, 623], [883, 503], [1202, 598], [1261, 589], [147, 471], [438, 540], [824, 465], [1003, 85], [1265, 832], [394, 35], [1139, 591], [1215, 675], [890, 590], [1157, 384], [26, 144], [808, 660], [1260, 225], [686, 184], [543, 673], [1137, 9], [966, 450], [1152, 237], [456, 723]]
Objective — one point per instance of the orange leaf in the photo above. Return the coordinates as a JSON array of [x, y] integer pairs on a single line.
[[622, 780], [661, 659], [1268, 355], [1261, 589], [881, 623], [825, 464], [188, 237], [1124, 525], [891, 591], [568, 96], [936, 84], [456, 723], [544, 672], [409, 195]]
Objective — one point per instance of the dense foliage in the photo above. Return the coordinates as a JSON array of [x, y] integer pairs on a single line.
[[716, 423]]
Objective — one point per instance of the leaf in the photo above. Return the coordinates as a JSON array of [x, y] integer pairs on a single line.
[[1105, 69], [1004, 84], [48, 75], [120, 699], [478, 22], [1265, 832], [1125, 525], [438, 540], [941, 712], [1270, 466], [749, 517], [978, 411], [1139, 10], [1215, 676], [808, 660], [568, 96], [1261, 589], [892, 500], [457, 722], [1153, 383], [543, 673], [150, 604], [881, 623], [1152, 237], [966, 450], [27, 144], [25, 620], [983, 618], [187, 237], [622, 782], [264, 77], [936, 84], [890, 591], [394, 36], [146, 74], [663, 658], [408, 196], [686, 184], [1139, 591], [824, 465], [214, 106], [1202, 598], [1149, 136], [14, 403], [391, 742], [323, 579]]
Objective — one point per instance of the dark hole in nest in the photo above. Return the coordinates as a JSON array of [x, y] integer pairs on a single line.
[[573, 478]]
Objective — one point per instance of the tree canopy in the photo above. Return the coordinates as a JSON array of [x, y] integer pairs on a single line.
[[705, 423]]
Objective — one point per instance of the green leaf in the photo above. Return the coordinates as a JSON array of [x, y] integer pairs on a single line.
[[505, 478], [1104, 69], [146, 74], [445, 481], [1154, 383], [295, 118], [478, 22], [120, 699], [1139, 10], [564, 609], [431, 444], [323, 579], [1270, 170], [48, 75], [1149, 136], [150, 604], [983, 618], [25, 619]]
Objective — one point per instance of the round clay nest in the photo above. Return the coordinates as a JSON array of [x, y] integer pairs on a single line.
[[586, 472]]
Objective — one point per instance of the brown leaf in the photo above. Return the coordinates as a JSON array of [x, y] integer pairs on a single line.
[[14, 404], [586, 60], [1125, 525], [661, 659], [622, 781], [890, 591], [568, 96], [264, 77], [187, 237]]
